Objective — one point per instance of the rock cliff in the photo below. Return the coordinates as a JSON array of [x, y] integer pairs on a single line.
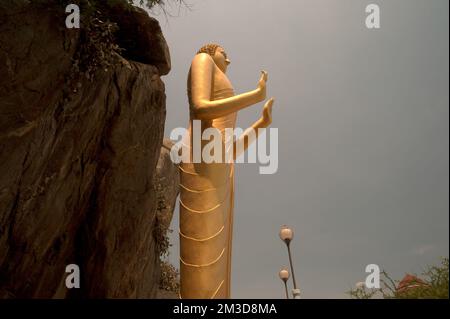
[[79, 147]]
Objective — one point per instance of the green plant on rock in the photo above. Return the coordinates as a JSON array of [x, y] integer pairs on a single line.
[[169, 280]]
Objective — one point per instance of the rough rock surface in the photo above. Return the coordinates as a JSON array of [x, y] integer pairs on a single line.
[[76, 174], [142, 37], [168, 177], [167, 188]]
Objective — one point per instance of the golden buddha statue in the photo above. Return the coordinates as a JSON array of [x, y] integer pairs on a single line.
[[207, 189]]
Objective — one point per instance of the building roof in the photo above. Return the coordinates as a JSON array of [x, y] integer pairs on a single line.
[[410, 281]]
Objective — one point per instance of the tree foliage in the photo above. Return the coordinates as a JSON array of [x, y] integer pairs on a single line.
[[433, 284], [148, 3], [152, 3]]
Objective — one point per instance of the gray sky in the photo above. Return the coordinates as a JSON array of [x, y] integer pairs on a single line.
[[363, 124]]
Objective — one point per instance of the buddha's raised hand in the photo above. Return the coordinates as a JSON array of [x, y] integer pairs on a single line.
[[262, 86], [266, 118]]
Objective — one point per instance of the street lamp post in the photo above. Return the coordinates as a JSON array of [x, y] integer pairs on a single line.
[[286, 235], [284, 276]]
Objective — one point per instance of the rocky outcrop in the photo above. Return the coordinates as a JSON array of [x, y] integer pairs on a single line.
[[167, 184], [167, 189], [142, 37], [77, 169]]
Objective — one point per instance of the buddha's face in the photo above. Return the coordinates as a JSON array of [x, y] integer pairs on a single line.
[[221, 60]]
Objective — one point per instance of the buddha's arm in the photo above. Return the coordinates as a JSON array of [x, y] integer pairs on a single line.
[[201, 86], [208, 110], [251, 134]]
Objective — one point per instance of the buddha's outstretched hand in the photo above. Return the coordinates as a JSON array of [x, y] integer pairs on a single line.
[[266, 118], [264, 121], [262, 86]]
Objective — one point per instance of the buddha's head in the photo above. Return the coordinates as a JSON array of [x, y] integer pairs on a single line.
[[218, 54]]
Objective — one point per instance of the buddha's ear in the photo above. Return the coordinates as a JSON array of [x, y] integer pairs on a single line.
[[202, 72]]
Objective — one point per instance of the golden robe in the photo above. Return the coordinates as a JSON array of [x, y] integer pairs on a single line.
[[206, 214]]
